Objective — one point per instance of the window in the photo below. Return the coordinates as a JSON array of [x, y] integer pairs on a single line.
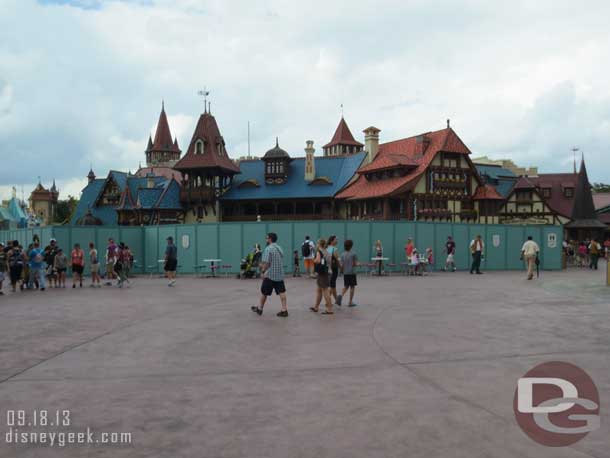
[[546, 192], [199, 147], [568, 192]]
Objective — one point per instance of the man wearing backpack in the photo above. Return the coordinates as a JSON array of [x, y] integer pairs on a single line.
[[308, 252], [37, 273]]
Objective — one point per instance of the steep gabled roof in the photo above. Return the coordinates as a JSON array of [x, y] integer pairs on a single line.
[[583, 198], [214, 154], [487, 192], [163, 137], [342, 136], [417, 151]]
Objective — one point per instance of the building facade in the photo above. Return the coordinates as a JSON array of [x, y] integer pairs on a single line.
[[43, 203], [425, 177]]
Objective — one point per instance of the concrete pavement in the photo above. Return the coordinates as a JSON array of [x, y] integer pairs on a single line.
[[423, 367]]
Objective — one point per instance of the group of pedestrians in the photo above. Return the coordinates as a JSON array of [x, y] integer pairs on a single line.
[[37, 268], [585, 253], [322, 261]]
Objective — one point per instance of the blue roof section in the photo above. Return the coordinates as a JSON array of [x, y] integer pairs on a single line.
[[171, 198], [90, 193], [339, 170], [500, 178], [494, 171], [16, 210], [5, 215], [147, 198]]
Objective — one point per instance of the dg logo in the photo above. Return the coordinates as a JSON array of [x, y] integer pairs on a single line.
[[556, 404]]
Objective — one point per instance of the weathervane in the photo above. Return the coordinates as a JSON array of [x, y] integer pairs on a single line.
[[204, 93], [341, 110]]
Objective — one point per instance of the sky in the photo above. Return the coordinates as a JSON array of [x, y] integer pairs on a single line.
[[81, 81]]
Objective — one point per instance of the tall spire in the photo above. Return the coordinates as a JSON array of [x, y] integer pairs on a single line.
[[583, 198], [343, 142]]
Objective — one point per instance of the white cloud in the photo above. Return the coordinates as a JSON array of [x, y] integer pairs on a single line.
[[82, 85]]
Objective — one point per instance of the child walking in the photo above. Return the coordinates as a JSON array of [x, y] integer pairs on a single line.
[[348, 262]]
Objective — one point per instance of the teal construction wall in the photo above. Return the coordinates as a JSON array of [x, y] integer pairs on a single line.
[[231, 241]]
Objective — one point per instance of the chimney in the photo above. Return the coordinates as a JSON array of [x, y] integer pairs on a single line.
[[150, 180], [310, 165], [371, 143]]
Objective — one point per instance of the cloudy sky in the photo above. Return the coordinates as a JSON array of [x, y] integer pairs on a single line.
[[81, 81]]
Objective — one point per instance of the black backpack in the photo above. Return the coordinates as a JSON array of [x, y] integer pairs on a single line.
[[321, 268], [16, 258], [306, 248]]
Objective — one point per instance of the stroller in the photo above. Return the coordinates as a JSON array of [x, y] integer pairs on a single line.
[[248, 268]]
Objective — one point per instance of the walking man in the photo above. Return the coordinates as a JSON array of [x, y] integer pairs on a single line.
[[171, 261], [529, 253], [594, 252], [476, 248], [450, 250], [37, 274], [308, 252], [272, 269]]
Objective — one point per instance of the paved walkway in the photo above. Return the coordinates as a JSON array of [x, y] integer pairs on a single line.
[[424, 367]]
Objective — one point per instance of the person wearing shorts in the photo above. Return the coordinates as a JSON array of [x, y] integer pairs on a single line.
[[111, 252], [333, 251], [60, 264], [77, 261], [348, 262], [272, 268], [95, 266], [171, 261], [322, 262], [308, 251]]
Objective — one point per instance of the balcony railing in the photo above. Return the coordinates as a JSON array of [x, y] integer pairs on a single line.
[[197, 195], [278, 217], [449, 184]]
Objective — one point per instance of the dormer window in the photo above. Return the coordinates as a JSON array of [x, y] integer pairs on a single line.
[[546, 193], [276, 165], [199, 147], [568, 192]]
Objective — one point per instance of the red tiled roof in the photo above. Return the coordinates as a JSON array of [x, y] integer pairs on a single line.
[[389, 161], [418, 150], [604, 218], [163, 137], [487, 192], [524, 183], [343, 136], [557, 182], [601, 200], [214, 153]]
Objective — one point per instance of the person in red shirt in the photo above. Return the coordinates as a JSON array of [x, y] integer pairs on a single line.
[[77, 260], [409, 249]]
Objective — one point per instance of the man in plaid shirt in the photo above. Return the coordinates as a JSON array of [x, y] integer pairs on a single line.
[[272, 267]]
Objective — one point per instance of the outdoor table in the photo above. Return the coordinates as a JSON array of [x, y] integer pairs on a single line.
[[379, 260], [212, 261]]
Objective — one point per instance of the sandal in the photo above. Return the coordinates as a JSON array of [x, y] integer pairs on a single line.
[[326, 312], [314, 310]]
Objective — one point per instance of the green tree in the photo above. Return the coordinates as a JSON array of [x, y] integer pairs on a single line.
[[601, 187], [64, 210]]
